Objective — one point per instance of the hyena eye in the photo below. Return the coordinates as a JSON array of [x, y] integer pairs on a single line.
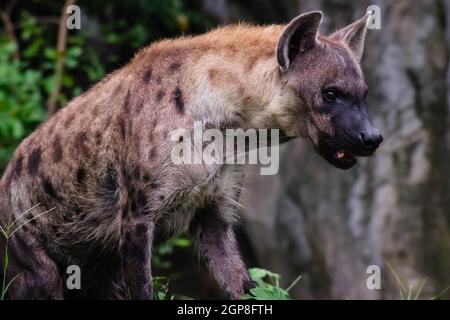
[[330, 95]]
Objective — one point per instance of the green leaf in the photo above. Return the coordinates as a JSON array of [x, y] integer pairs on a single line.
[[67, 80], [161, 296], [49, 84], [182, 242], [17, 129], [269, 293], [258, 275], [50, 53], [74, 52], [33, 48], [267, 286], [71, 62]]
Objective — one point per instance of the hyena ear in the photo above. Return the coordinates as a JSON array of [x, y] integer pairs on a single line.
[[299, 36], [354, 35]]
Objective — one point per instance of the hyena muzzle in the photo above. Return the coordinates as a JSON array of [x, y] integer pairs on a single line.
[[95, 182]]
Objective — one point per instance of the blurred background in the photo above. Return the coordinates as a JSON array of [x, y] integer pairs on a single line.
[[393, 210]]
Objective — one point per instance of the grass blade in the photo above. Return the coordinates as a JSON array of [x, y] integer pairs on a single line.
[[419, 290], [410, 290], [293, 283], [7, 286], [5, 268], [18, 218], [440, 294], [3, 232], [397, 278], [35, 217]]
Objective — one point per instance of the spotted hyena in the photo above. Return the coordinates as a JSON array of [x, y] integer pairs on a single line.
[[99, 176]]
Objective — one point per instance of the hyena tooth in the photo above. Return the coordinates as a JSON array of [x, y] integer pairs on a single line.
[[340, 154]]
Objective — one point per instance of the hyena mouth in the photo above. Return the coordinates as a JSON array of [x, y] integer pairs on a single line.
[[346, 159], [337, 157], [341, 159], [343, 155]]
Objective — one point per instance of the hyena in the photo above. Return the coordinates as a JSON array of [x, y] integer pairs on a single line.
[[99, 176]]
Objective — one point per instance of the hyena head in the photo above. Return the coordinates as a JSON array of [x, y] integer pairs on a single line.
[[324, 75]]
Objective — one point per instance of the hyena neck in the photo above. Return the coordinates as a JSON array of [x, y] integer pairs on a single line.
[[238, 82]]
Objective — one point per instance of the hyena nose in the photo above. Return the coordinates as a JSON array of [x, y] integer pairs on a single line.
[[372, 140]]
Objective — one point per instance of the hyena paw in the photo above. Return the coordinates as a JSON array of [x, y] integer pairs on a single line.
[[248, 285]]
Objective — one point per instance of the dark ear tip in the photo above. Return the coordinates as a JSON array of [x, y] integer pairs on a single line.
[[305, 27], [314, 15], [317, 14]]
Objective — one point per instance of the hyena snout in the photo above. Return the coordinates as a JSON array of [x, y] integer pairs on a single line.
[[366, 138], [371, 138], [354, 136]]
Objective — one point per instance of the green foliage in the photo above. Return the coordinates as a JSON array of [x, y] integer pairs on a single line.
[[161, 289], [111, 34], [160, 260], [25, 84], [21, 99], [122, 29], [163, 251], [268, 286]]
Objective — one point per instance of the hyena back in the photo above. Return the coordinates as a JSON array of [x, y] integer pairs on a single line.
[[99, 176]]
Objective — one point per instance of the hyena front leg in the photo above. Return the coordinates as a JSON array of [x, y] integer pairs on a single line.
[[216, 242], [137, 238]]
